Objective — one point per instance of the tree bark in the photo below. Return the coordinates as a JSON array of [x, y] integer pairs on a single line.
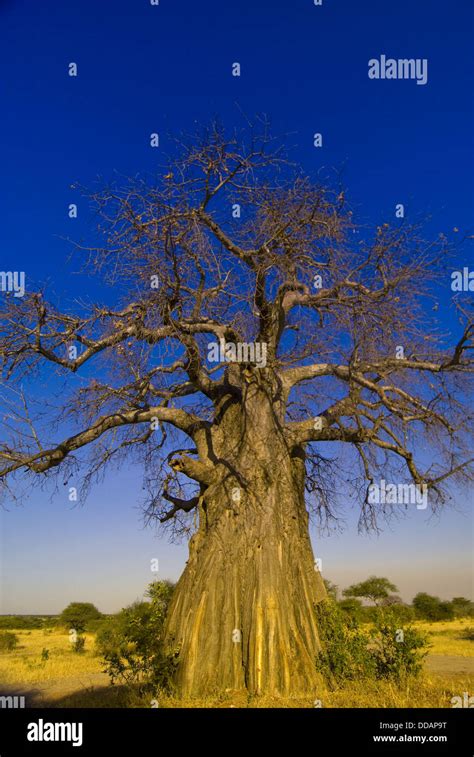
[[242, 615]]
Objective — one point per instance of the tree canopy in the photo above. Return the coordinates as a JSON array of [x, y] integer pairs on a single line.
[[77, 615], [373, 588], [263, 355], [232, 246]]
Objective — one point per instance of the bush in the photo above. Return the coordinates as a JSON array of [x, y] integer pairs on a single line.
[[344, 654], [397, 652], [388, 650], [367, 613], [79, 644], [94, 626], [8, 641], [352, 608], [131, 642], [402, 613], [468, 633]]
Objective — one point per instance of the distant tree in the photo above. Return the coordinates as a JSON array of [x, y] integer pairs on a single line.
[[78, 614], [399, 610], [374, 588], [392, 599], [429, 607], [425, 605], [331, 588], [445, 611], [462, 607], [23, 622]]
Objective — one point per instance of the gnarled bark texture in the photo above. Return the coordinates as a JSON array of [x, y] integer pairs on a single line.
[[243, 611]]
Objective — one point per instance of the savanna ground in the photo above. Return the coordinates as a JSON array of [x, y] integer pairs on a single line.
[[68, 679]]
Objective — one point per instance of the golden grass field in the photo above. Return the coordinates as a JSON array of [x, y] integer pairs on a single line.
[[67, 679]]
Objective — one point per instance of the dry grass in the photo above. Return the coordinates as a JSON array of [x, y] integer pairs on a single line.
[[428, 691], [446, 637], [64, 676], [25, 666]]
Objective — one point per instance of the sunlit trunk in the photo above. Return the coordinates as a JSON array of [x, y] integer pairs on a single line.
[[243, 611]]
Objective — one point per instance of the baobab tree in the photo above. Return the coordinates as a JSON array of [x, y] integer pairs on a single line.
[[265, 356]]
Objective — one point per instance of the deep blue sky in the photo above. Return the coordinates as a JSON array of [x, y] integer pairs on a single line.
[[164, 69]]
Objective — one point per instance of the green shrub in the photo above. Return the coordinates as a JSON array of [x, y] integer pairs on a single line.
[[8, 641], [468, 633], [131, 642], [352, 607], [367, 613], [94, 626], [344, 654], [389, 650], [398, 652], [402, 613], [79, 644]]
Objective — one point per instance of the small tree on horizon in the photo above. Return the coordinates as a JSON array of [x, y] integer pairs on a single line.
[[429, 607], [376, 589], [462, 607], [77, 615]]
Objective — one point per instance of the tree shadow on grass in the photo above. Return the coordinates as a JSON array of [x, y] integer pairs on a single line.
[[100, 697], [124, 696]]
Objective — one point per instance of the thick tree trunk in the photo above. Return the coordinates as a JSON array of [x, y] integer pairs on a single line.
[[243, 611]]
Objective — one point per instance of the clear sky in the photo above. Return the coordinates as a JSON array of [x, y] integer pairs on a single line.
[[167, 68]]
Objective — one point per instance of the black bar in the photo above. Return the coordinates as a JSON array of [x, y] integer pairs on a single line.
[[316, 731]]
